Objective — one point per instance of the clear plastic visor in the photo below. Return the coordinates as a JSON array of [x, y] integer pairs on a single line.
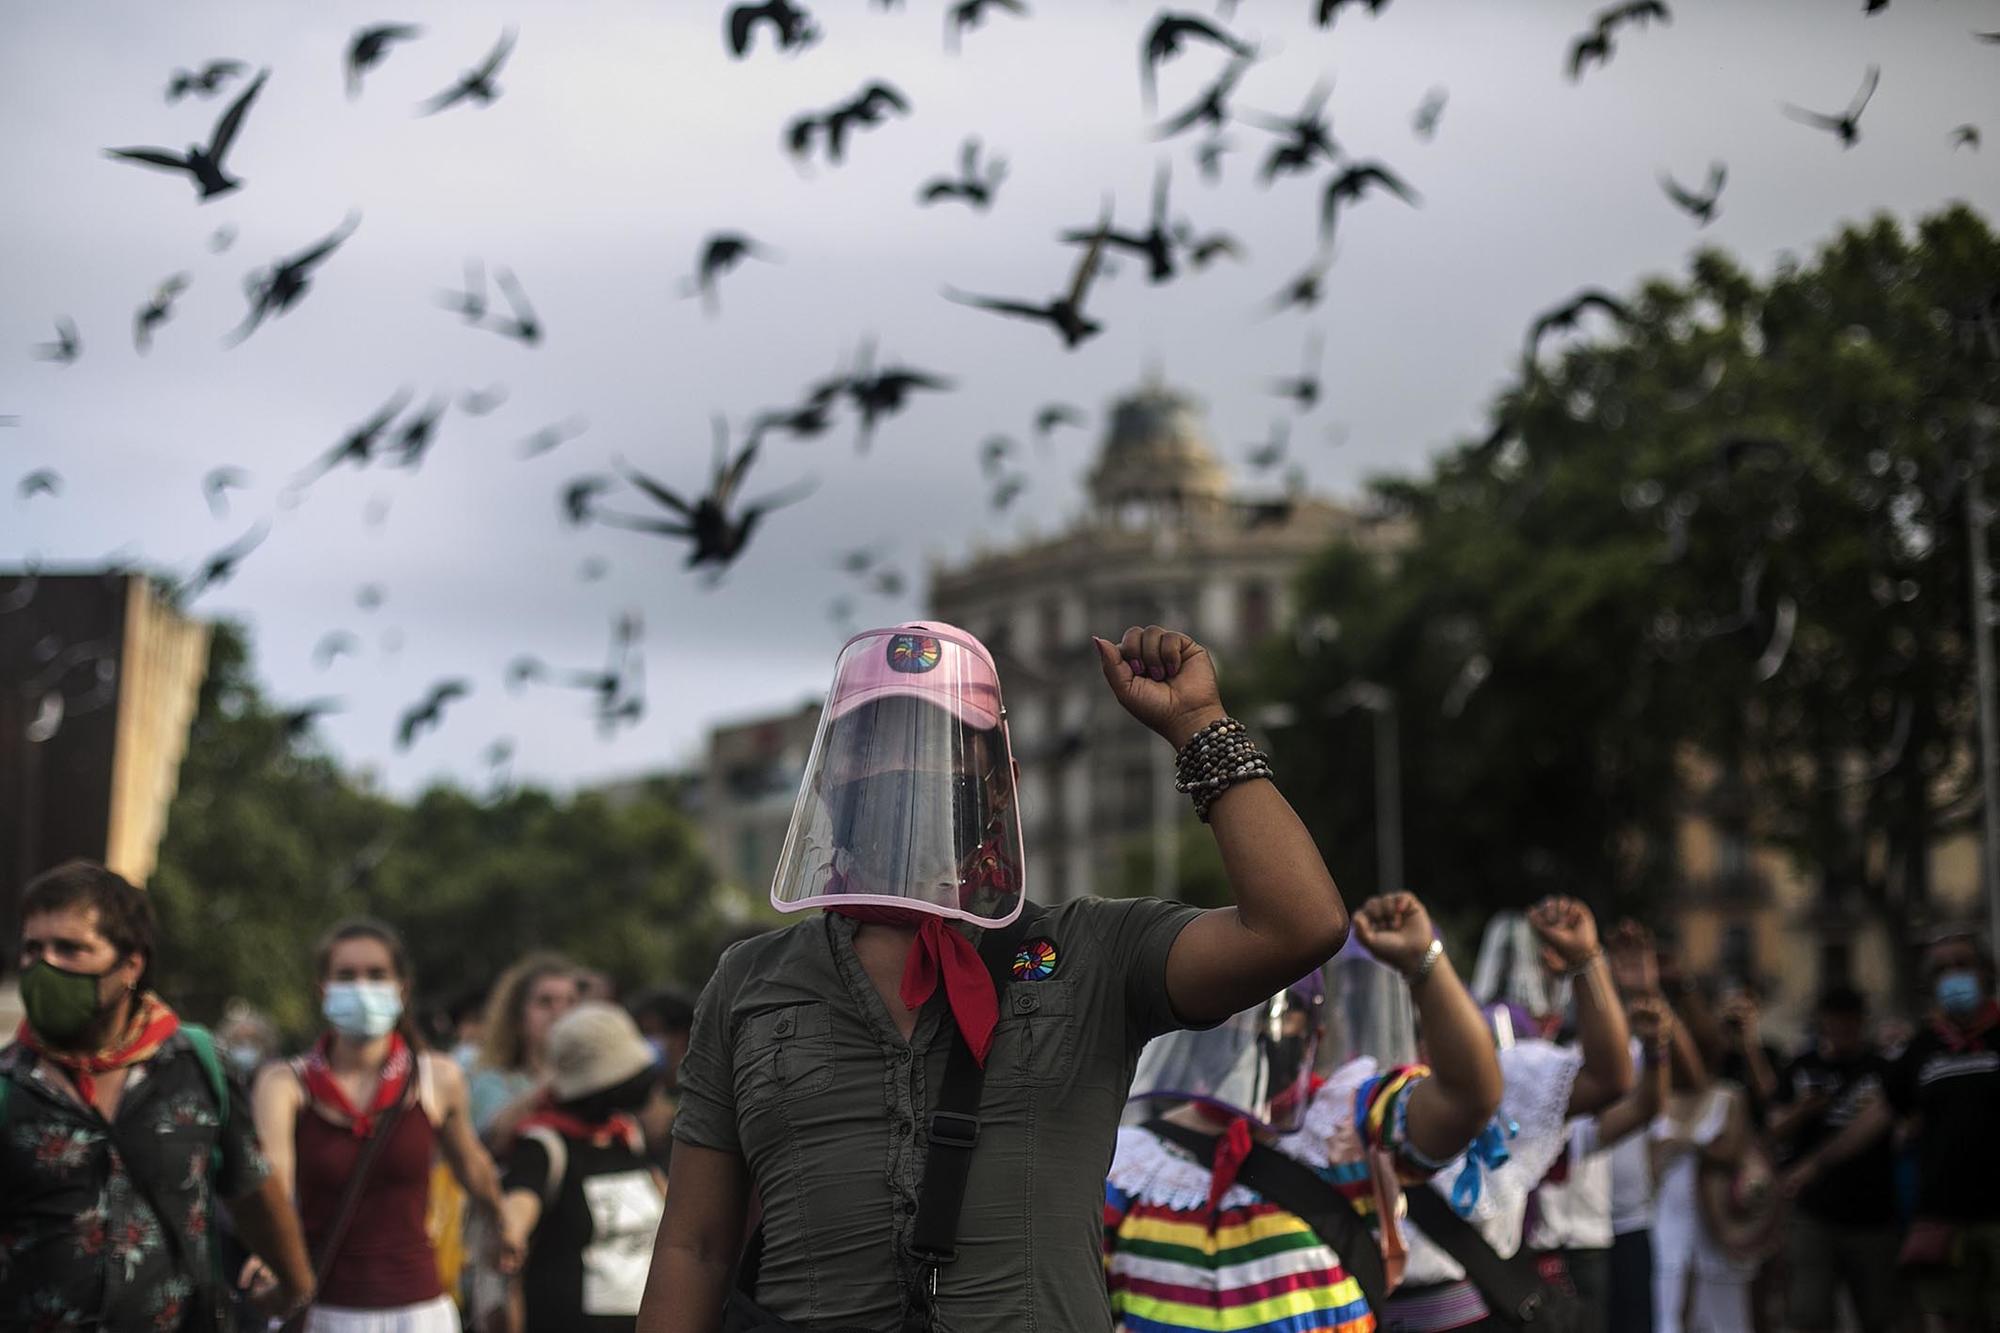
[[908, 799], [1257, 1064]]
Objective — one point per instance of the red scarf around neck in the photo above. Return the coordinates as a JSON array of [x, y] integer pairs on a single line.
[[151, 1024], [940, 953], [1232, 1148], [316, 1073], [1962, 1036], [617, 1128]]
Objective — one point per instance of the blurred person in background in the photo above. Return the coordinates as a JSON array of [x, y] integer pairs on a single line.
[[512, 1072], [1946, 1087], [1844, 1233], [665, 1017], [352, 1128], [247, 1039], [583, 1200]]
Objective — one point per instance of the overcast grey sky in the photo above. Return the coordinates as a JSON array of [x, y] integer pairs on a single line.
[[625, 134]]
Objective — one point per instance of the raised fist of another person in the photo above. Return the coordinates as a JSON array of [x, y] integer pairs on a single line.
[[1395, 928], [1164, 679], [1568, 933], [1634, 958], [1652, 1022]]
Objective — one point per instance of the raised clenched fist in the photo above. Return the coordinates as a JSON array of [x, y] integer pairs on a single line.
[[1163, 678], [1395, 928]]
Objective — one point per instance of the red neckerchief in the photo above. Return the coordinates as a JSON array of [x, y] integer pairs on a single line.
[[1960, 1037], [939, 952], [1232, 1146], [152, 1023], [618, 1128], [317, 1075]]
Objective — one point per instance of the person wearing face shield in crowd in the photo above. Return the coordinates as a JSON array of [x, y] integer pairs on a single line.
[[122, 1133], [1946, 1085], [819, 1051], [1570, 1225], [352, 1127], [1188, 1245], [583, 1200], [1543, 1087]]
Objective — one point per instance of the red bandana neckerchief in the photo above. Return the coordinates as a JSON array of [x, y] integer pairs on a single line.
[[1961, 1037], [939, 953], [618, 1128], [317, 1075], [1232, 1147], [152, 1023]]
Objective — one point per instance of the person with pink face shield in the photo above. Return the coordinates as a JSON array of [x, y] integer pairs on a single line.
[[919, 1085]]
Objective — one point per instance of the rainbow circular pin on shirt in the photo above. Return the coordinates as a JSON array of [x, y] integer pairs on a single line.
[[1035, 960]]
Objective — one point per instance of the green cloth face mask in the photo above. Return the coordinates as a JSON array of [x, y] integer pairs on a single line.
[[62, 1006]]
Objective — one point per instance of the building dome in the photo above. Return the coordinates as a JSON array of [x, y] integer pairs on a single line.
[[1156, 453]]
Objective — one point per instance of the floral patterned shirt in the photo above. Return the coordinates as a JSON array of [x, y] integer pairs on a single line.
[[79, 1245]]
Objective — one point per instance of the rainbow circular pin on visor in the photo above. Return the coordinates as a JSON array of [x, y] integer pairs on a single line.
[[1035, 960]]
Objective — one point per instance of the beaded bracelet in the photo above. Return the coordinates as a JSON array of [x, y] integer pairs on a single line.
[[1215, 759]]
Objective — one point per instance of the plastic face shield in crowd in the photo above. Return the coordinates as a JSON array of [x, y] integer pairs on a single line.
[[1510, 982], [1369, 1010], [908, 800], [1257, 1064]]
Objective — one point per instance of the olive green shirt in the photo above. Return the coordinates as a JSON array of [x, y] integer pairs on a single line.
[[795, 1064]]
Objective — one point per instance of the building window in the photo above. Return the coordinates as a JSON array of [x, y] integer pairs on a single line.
[[1052, 628], [1253, 611], [748, 850]]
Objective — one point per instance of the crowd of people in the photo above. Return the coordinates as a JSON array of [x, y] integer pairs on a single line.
[[932, 1104]]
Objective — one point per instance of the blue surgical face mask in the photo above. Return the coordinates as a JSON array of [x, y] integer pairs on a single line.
[[1958, 992], [662, 1057], [244, 1058], [363, 1009]]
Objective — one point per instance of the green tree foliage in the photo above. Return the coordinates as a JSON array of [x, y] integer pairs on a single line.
[[1732, 527], [268, 843]]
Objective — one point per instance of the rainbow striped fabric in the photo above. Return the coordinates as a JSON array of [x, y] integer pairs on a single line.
[[1261, 1269]]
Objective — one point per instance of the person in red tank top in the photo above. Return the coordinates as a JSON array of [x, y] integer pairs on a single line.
[[368, 1074]]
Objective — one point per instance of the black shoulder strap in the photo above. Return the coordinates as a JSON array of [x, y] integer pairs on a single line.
[[1510, 1288], [1298, 1189], [954, 1125]]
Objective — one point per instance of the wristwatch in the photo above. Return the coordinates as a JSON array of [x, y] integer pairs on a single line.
[[1423, 968]]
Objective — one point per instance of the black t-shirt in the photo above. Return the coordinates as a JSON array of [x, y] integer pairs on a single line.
[[1957, 1095], [588, 1257], [1860, 1191]]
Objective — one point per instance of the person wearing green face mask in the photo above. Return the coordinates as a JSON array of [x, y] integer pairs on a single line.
[[118, 1146]]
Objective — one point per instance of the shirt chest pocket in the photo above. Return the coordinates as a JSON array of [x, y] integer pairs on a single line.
[[784, 1053], [1035, 1043]]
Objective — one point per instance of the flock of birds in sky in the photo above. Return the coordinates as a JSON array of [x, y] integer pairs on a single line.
[[715, 520]]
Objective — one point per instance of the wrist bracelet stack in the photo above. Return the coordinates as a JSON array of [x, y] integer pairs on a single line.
[[1419, 974], [1579, 969], [1215, 759]]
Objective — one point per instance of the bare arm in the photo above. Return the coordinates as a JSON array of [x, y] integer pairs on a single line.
[[1870, 1123], [700, 1240], [269, 1226], [1288, 917], [1568, 933], [468, 1159], [1448, 1109], [274, 1106], [1652, 1020]]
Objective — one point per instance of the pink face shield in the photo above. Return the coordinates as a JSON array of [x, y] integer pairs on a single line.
[[908, 800]]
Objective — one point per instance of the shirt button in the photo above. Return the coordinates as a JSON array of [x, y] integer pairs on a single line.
[[903, 1056], [902, 1128], [782, 1028]]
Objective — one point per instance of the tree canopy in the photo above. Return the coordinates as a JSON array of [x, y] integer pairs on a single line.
[[269, 843], [1731, 525]]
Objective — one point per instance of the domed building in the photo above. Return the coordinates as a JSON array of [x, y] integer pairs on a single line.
[[1165, 540]]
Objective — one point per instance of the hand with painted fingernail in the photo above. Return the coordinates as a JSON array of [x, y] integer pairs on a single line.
[[1164, 679]]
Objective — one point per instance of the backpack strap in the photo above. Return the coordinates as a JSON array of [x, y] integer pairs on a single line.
[[1512, 1288], [954, 1125], [203, 1042], [557, 1151]]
